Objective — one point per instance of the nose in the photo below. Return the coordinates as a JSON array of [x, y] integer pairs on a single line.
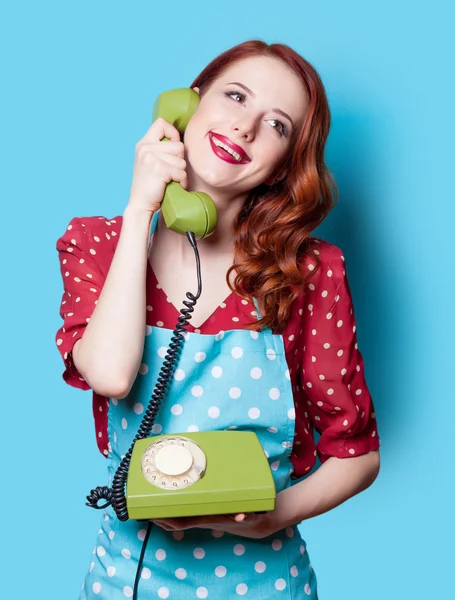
[[245, 128]]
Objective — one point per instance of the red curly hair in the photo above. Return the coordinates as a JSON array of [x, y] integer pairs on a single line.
[[272, 229]]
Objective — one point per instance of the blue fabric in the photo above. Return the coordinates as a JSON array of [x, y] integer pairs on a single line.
[[233, 380]]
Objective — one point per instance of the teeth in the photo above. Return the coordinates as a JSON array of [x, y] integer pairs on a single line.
[[217, 142]]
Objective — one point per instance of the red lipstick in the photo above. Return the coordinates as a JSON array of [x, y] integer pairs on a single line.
[[224, 154]]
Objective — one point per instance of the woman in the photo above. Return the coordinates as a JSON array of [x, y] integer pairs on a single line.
[[256, 146]]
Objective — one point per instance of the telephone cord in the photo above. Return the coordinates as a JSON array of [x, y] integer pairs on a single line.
[[115, 495]]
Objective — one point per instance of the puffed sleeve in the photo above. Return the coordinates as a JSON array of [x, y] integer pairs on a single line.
[[83, 253], [332, 374]]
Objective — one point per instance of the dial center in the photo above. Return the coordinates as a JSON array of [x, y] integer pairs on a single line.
[[173, 460]]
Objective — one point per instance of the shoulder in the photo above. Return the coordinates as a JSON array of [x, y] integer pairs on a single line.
[[326, 260], [92, 235]]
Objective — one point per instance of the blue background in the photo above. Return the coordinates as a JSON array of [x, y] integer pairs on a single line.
[[78, 82]]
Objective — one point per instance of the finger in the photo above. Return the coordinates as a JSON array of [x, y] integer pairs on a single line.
[[240, 517], [160, 129], [175, 148]]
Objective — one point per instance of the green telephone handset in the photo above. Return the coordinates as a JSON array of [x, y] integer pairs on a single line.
[[197, 473], [183, 211]]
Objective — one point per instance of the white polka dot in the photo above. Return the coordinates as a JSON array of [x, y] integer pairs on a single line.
[[111, 571], [141, 534], [287, 374], [239, 549], [143, 369], [219, 336], [138, 408], [314, 332], [146, 573], [157, 428], [271, 354], [330, 391], [307, 589], [148, 329], [254, 413], [96, 587], [235, 392], [280, 584], [100, 551], [340, 353], [162, 352], [217, 534], [340, 323], [311, 267], [326, 346], [241, 589], [237, 352], [160, 554], [256, 373], [128, 591], [254, 335], [291, 413], [217, 372], [358, 392], [351, 451], [111, 535], [345, 423], [193, 428], [124, 423], [294, 571], [329, 315], [177, 409], [163, 592], [200, 356], [220, 571], [260, 567], [199, 553], [159, 323], [343, 371], [202, 592], [290, 532], [272, 429], [197, 391], [274, 393], [277, 544], [180, 573], [274, 466], [179, 374], [302, 550], [214, 412], [126, 553]]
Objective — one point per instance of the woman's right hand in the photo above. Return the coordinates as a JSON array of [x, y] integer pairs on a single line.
[[156, 164]]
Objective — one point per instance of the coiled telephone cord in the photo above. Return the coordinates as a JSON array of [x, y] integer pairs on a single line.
[[115, 495]]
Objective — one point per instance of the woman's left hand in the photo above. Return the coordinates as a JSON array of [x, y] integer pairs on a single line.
[[250, 525]]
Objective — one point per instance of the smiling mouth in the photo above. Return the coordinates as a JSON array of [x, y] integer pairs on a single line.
[[225, 149]]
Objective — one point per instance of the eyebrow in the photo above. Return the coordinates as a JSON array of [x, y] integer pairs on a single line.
[[278, 110]]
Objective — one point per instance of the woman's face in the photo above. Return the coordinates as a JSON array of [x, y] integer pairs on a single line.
[[242, 129]]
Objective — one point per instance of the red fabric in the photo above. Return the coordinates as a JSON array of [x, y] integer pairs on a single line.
[[325, 365]]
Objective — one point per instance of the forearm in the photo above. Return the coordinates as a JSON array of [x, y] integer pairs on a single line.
[[109, 353], [334, 482]]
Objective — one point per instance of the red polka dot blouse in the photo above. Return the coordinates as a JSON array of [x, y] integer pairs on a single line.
[[325, 365]]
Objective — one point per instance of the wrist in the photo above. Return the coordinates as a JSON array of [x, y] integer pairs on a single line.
[[137, 214]]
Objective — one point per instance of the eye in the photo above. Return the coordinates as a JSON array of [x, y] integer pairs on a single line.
[[280, 127], [233, 93]]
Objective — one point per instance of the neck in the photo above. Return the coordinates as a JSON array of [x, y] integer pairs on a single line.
[[219, 243]]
